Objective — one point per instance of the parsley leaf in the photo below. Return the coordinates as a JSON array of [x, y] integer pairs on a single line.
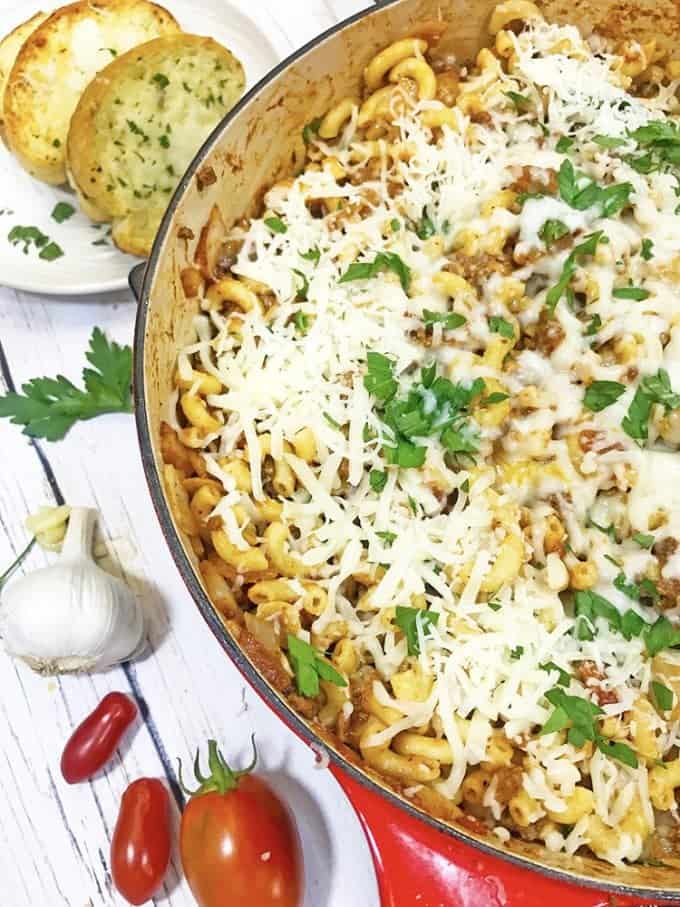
[[661, 635], [643, 540], [563, 677], [588, 606], [364, 270], [449, 320], [652, 389], [552, 230], [496, 397], [498, 325], [409, 620], [379, 379], [564, 144], [48, 407], [580, 192], [301, 322], [311, 130], [517, 653], [425, 228], [62, 211], [594, 325], [377, 480], [646, 249], [313, 254], [601, 394], [619, 751], [161, 80], [521, 102], [663, 697], [636, 293], [608, 141], [302, 293], [387, 537], [587, 247], [276, 225], [51, 252], [310, 667]]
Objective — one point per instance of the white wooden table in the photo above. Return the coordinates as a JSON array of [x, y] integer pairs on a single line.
[[54, 839]]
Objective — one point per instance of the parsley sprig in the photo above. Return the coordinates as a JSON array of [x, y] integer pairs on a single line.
[[48, 407], [575, 257], [390, 261], [410, 620], [580, 192], [580, 716], [652, 389], [310, 667], [434, 406]]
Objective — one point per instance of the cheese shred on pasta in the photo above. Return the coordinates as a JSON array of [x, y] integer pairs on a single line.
[[428, 428]]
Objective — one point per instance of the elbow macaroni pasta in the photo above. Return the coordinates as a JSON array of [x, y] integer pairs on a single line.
[[410, 433]]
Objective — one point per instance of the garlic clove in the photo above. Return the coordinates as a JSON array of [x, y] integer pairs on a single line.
[[73, 616]]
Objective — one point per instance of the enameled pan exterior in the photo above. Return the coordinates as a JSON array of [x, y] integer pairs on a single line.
[[259, 142]]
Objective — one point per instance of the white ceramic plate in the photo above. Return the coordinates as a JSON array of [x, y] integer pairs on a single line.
[[91, 264]]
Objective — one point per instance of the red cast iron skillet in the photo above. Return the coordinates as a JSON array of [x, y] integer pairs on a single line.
[[420, 861]]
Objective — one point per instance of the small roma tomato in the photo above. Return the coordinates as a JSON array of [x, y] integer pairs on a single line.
[[95, 740], [140, 847], [239, 843]]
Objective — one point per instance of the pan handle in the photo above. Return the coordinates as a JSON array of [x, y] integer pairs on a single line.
[[420, 866], [136, 279]]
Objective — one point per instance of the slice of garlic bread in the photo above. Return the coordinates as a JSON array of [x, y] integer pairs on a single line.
[[10, 46], [138, 126], [57, 62]]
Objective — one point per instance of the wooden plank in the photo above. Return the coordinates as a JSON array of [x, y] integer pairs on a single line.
[[54, 838]]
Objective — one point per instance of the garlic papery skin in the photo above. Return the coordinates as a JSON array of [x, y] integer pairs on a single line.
[[73, 616]]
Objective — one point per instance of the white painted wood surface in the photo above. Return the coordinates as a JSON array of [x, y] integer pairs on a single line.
[[54, 839]]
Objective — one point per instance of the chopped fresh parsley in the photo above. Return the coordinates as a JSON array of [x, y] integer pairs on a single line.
[[433, 406], [311, 130], [498, 325], [661, 139], [387, 537], [608, 141], [310, 667], [313, 254], [521, 102], [331, 421], [449, 320], [636, 591], [646, 249], [51, 252], [379, 379], [579, 716], [425, 228], [161, 80], [652, 389], [580, 192], [661, 635], [563, 677], [303, 290], [587, 247], [516, 653], [643, 539], [663, 697], [62, 211], [48, 407], [410, 620], [601, 394], [564, 144], [301, 322], [492, 399], [364, 270], [28, 236], [552, 230], [636, 293], [276, 225], [395, 225], [377, 479], [593, 326]]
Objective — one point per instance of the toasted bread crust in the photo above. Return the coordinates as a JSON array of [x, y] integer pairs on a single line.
[[139, 124], [10, 46], [55, 64]]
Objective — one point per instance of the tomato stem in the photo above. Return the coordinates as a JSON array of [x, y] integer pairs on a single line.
[[222, 778]]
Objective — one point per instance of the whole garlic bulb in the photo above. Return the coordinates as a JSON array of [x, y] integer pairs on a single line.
[[72, 617]]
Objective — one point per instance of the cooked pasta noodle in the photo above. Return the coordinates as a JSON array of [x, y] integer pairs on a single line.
[[425, 437]]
